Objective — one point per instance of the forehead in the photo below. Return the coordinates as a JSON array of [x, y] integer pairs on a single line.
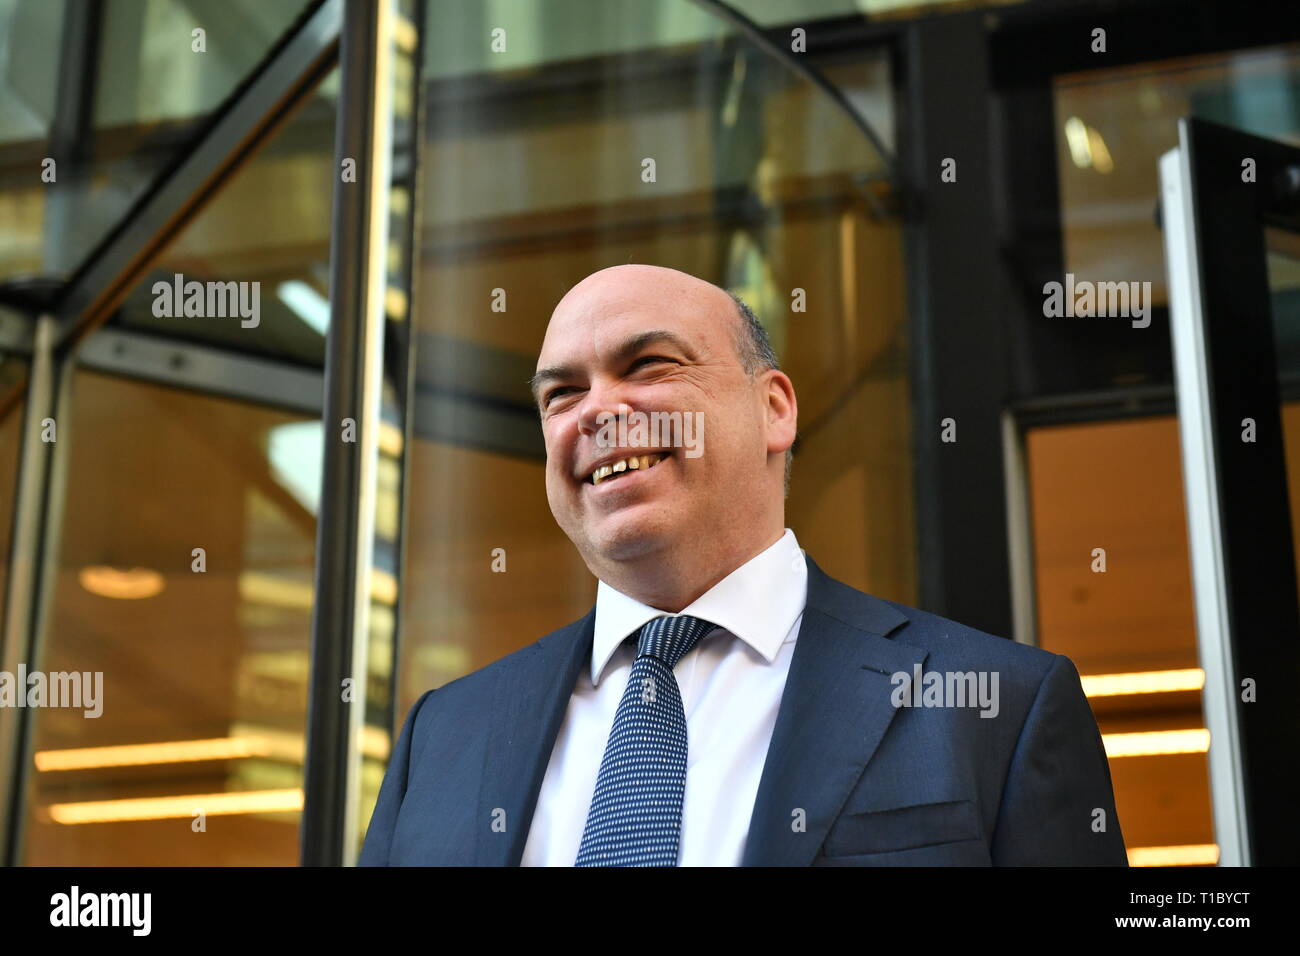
[[595, 321]]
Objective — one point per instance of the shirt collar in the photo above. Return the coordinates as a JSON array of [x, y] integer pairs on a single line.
[[758, 602]]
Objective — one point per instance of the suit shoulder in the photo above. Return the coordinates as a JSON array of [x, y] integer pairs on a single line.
[[950, 645], [960, 646]]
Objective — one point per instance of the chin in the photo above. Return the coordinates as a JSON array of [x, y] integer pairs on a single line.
[[627, 540]]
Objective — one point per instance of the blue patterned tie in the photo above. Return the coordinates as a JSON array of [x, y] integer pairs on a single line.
[[636, 813]]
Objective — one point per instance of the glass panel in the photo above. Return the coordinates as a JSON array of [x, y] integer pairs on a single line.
[[533, 178], [270, 229], [204, 671], [155, 83], [1113, 590], [204, 667], [1114, 125]]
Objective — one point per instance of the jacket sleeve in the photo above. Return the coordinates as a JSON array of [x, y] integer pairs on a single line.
[[1057, 782], [379, 836]]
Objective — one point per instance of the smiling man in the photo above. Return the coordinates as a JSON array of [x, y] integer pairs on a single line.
[[725, 702]]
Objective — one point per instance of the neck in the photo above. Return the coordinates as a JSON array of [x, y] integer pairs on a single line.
[[673, 581]]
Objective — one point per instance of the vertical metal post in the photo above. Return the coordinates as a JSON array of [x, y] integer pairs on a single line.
[[1204, 524], [1020, 531], [956, 342], [72, 133], [353, 374], [37, 505], [400, 335]]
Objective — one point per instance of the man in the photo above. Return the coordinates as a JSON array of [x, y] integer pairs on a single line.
[[726, 702]]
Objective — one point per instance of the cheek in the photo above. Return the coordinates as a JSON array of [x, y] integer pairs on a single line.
[[557, 452], [555, 484]]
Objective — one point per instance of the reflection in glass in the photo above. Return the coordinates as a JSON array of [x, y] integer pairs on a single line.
[[1114, 125], [268, 229], [160, 68]]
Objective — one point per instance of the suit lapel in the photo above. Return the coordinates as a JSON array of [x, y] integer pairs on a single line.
[[530, 700], [834, 711]]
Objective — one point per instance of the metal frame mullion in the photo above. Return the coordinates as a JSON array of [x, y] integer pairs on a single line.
[[353, 375], [400, 350], [200, 368], [38, 505], [1242, 547]]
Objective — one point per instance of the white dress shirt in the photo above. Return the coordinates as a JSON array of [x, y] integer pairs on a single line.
[[731, 684]]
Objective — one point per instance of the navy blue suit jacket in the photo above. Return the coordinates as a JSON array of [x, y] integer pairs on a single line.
[[850, 778]]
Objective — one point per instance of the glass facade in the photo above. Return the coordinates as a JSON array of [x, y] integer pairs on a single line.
[[427, 195]]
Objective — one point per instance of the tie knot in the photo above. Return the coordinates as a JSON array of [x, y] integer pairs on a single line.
[[669, 638]]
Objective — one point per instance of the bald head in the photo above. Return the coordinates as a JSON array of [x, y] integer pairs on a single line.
[[753, 347], [640, 279]]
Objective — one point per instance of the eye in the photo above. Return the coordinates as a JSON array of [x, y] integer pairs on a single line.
[[649, 358], [556, 393]]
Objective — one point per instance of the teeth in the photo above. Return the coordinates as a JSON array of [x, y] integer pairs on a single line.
[[635, 463]]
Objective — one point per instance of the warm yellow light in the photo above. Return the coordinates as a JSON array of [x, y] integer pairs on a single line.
[[383, 587], [164, 808], [168, 751], [1101, 160], [1076, 139], [272, 590], [1156, 742], [132, 584], [1196, 854], [1087, 147], [254, 742], [1143, 682], [395, 302], [405, 34], [390, 439]]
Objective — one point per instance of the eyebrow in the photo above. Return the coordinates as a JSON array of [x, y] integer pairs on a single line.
[[626, 349]]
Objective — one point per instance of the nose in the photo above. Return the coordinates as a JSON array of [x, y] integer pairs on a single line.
[[604, 402]]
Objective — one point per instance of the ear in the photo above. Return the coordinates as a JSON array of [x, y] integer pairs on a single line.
[[782, 411]]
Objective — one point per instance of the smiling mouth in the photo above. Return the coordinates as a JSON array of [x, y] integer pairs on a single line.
[[617, 469]]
